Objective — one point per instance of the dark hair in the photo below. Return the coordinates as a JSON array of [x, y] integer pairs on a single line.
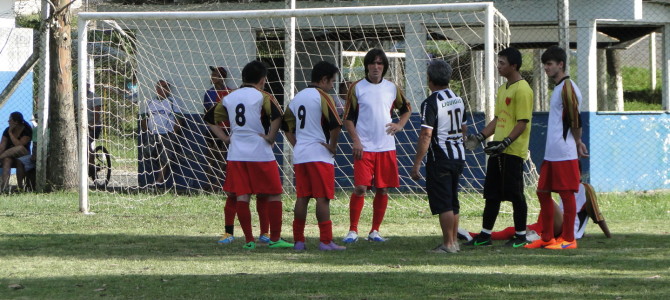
[[221, 70], [370, 58], [254, 71], [323, 69], [513, 56], [554, 53], [439, 72], [18, 118]]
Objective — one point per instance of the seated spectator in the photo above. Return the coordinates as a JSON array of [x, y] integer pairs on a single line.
[[15, 143]]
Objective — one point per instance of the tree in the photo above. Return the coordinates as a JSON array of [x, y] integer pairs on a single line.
[[62, 167]]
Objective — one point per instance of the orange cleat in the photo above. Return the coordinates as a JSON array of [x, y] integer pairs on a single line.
[[539, 244], [563, 245]]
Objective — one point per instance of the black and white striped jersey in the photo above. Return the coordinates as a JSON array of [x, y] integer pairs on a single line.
[[444, 112]]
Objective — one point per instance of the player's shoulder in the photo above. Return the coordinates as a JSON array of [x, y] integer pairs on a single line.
[[357, 83]]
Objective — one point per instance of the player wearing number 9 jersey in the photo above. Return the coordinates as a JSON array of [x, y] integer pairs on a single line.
[[255, 117], [313, 126]]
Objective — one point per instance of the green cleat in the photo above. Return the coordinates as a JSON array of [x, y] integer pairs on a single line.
[[250, 246], [281, 243]]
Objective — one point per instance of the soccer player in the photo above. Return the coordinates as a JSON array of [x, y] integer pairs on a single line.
[[213, 96], [255, 117], [581, 198], [314, 138], [367, 118], [161, 125], [510, 128], [560, 169], [443, 124]]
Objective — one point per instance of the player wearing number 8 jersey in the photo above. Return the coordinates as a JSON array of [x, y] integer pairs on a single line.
[[367, 118], [313, 126], [255, 117]]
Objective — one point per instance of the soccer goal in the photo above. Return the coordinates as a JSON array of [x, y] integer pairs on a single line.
[[123, 55]]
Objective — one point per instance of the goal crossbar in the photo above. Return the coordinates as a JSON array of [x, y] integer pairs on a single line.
[[288, 13]]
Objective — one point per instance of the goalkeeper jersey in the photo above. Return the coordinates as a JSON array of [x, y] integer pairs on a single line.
[[514, 103], [250, 112], [369, 106], [563, 115], [311, 116]]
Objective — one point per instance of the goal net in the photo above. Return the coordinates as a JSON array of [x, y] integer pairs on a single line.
[[123, 56]]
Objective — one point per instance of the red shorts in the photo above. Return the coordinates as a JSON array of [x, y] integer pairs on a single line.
[[253, 177], [559, 176], [377, 168], [315, 180]]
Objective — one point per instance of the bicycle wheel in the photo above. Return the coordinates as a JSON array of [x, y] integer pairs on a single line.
[[103, 166]]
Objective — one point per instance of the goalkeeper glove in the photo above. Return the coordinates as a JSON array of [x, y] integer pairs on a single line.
[[473, 141], [495, 148]]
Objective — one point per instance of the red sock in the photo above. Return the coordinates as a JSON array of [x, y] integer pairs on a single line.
[[504, 234], [355, 208], [229, 211], [547, 215], [379, 210], [569, 214], [244, 216], [298, 230], [275, 215], [326, 232], [263, 217]]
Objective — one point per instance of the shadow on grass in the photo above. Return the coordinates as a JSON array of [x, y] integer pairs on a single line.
[[624, 252], [340, 285]]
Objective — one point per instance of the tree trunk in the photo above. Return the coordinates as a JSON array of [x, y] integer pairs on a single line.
[[615, 86], [62, 163]]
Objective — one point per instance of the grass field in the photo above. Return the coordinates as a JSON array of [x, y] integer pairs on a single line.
[[165, 248]]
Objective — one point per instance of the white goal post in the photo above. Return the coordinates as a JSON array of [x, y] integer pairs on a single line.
[[117, 48]]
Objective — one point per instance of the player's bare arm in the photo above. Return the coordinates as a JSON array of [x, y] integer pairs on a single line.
[[332, 145], [357, 147], [290, 136], [272, 133], [219, 133], [421, 148], [581, 147], [392, 128]]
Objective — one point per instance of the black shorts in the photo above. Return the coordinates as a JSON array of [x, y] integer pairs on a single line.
[[504, 178], [442, 185]]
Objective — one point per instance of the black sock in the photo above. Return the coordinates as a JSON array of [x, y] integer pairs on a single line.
[[229, 229]]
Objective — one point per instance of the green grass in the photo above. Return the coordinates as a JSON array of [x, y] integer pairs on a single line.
[[641, 106], [165, 247]]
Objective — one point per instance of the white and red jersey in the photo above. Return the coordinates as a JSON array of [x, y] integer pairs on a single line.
[[563, 115], [369, 106], [250, 112], [311, 115]]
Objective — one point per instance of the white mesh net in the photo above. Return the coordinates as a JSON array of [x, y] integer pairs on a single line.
[[127, 56]]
